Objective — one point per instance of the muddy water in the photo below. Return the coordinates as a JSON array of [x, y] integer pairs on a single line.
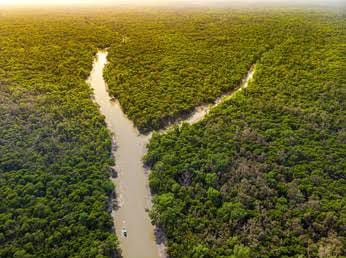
[[201, 111], [132, 183], [133, 195]]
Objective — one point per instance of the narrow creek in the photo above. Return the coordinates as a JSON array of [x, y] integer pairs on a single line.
[[132, 190]]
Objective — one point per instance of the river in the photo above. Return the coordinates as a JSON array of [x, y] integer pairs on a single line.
[[132, 190]]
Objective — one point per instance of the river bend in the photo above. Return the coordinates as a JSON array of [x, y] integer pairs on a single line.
[[132, 190]]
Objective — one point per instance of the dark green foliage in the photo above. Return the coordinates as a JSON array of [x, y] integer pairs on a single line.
[[54, 145], [264, 174], [166, 64]]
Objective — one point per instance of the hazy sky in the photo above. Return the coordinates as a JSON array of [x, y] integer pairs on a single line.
[[158, 2]]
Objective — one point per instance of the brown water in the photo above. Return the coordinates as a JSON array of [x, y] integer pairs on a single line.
[[132, 183], [201, 111], [133, 194]]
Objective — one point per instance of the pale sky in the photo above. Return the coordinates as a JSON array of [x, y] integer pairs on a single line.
[[159, 2]]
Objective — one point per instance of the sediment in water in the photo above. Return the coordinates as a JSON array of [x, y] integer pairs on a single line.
[[133, 198]]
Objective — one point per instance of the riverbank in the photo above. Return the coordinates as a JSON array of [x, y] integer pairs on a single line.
[[131, 181]]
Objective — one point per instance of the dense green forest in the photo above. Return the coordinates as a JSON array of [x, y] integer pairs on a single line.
[[54, 145], [264, 174], [165, 64]]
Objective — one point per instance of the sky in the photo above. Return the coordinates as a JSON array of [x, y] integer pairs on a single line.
[[161, 2]]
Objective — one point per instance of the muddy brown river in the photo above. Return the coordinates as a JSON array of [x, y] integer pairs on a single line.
[[131, 183]]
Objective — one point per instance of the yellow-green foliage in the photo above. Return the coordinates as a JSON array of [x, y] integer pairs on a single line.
[[264, 174], [54, 145], [165, 64]]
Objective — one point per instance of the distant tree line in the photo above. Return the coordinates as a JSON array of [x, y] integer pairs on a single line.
[[262, 176]]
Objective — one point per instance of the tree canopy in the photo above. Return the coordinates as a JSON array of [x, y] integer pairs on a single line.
[[54, 145], [264, 174]]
